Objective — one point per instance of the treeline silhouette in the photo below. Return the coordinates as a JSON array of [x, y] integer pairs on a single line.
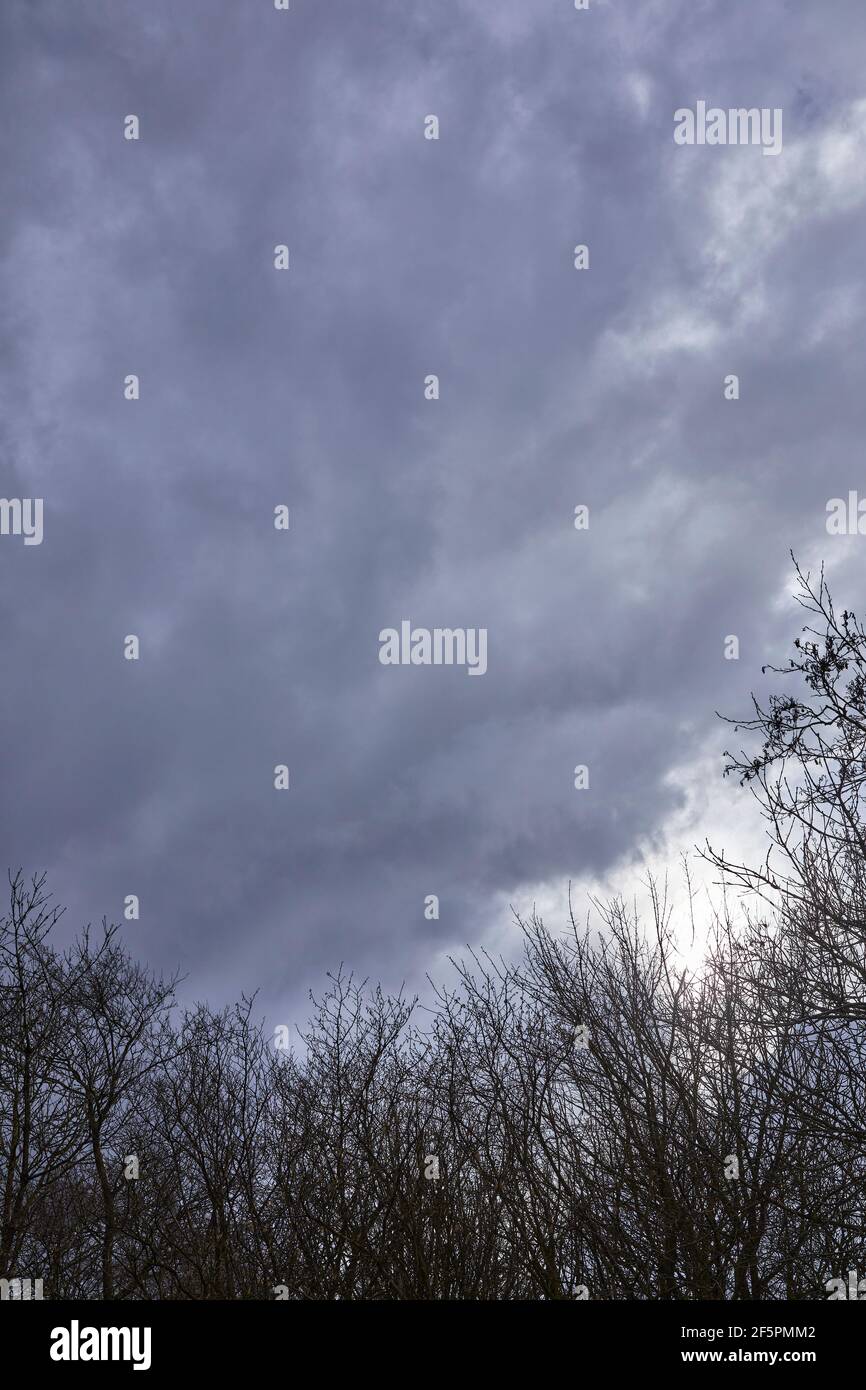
[[605, 1122]]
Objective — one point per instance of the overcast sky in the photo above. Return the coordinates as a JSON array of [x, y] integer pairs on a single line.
[[260, 387]]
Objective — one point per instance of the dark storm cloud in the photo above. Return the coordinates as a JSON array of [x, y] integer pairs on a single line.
[[408, 257]]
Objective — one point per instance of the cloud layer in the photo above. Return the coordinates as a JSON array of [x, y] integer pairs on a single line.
[[408, 257]]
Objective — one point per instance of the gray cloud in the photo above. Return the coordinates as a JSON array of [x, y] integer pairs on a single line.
[[408, 257]]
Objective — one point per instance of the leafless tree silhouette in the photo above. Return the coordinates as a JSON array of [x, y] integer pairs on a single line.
[[593, 1118]]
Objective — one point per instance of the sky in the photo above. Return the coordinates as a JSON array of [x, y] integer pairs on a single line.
[[260, 387]]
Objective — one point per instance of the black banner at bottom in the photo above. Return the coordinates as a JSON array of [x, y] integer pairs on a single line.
[[153, 1339]]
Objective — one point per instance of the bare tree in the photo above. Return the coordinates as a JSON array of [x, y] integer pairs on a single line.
[[594, 1117], [41, 1136]]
